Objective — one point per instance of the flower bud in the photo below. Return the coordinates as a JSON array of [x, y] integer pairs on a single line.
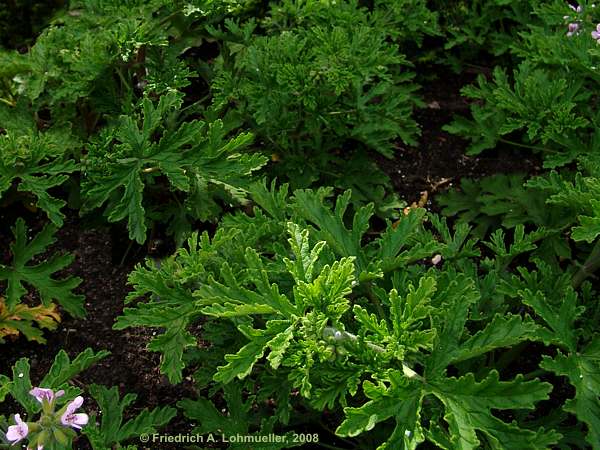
[[330, 352], [60, 437], [341, 351]]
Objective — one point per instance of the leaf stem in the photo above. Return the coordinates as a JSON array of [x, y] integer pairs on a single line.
[[532, 147], [8, 102], [126, 254], [373, 298], [591, 264]]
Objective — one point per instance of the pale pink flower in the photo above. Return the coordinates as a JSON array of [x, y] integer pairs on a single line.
[[17, 432], [42, 394], [436, 260], [573, 28], [70, 419], [596, 33], [577, 10]]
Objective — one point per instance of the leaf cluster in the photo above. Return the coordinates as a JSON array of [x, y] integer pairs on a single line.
[[546, 106], [20, 311], [477, 29], [316, 81], [196, 159], [364, 327]]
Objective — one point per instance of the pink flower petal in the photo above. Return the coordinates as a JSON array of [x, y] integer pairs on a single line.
[[17, 432], [42, 394], [70, 419]]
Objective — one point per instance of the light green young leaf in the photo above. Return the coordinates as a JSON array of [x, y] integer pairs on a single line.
[[278, 345], [304, 257], [327, 293]]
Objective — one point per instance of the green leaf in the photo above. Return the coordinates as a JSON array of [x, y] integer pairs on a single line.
[[502, 331], [40, 275], [456, 297], [190, 156], [5, 387], [172, 345], [468, 404], [236, 419], [583, 371], [63, 369], [176, 338], [559, 318], [331, 226], [37, 162], [21, 385], [209, 419], [403, 403], [240, 364], [111, 430]]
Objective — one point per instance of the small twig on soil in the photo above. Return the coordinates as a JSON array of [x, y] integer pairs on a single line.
[[435, 185], [78, 383]]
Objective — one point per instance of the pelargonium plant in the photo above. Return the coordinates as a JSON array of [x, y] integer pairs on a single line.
[[54, 429]]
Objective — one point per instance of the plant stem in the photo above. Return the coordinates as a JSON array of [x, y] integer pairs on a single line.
[[8, 102], [126, 254], [371, 295], [532, 147], [591, 264]]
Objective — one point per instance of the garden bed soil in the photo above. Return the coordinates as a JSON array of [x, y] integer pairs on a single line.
[[440, 162]]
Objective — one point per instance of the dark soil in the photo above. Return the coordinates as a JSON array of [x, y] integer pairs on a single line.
[[129, 366], [434, 166], [439, 162]]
